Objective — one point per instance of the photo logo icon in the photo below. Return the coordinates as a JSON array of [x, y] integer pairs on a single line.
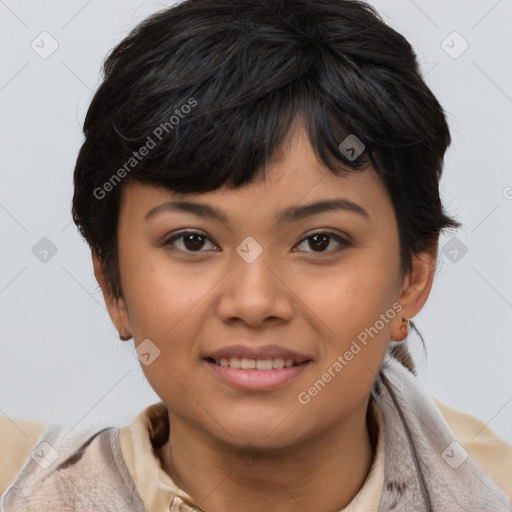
[[44, 45], [249, 249], [454, 249], [146, 352], [44, 250], [454, 455], [352, 147], [45, 455], [249, 455], [454, 45]]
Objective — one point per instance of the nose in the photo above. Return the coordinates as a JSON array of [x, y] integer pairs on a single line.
[[255, 292]]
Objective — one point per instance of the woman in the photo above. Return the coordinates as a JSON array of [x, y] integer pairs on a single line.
[[259, 186]]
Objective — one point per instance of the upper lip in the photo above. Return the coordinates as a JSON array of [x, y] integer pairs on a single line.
[[264, 352]]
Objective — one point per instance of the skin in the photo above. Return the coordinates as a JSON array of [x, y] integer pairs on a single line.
[[316, 301]]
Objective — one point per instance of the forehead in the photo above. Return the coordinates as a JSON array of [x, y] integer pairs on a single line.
[[294, 175]]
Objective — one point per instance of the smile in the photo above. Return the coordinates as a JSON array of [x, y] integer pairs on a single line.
[[244, 363], [256, 374]]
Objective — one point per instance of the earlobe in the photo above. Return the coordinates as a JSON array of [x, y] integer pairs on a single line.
[[116, 306], [403, 330]]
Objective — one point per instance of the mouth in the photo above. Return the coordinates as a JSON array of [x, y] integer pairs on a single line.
[[256, 368], [243, 363]]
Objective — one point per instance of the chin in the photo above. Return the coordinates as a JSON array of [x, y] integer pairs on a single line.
[[260, 435]]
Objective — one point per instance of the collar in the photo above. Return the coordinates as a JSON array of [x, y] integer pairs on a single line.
[[161, 494]]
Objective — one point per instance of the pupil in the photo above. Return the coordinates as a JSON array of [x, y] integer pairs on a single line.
[[191, 241], [324, 242]]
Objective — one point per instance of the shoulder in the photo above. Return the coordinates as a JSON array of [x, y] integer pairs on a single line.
[[491, 452], [70, 470], [17, 438]]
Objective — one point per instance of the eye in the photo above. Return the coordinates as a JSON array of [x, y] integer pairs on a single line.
[[194, 241], [191, 241], [321, 240]]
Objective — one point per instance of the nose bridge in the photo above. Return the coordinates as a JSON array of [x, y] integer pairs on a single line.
[[252, 290], [252, 265]]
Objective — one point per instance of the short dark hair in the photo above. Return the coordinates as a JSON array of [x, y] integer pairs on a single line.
[[216, 84]]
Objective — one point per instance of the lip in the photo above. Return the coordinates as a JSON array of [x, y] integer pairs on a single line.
[[256, 380], [264, 352]]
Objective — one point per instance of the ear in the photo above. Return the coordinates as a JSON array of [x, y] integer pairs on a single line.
[[416, 288], [116, 306]]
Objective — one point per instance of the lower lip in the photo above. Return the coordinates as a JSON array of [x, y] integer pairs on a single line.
[[257, 380]]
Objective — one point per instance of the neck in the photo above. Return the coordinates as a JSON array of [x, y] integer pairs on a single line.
[[322, 473]]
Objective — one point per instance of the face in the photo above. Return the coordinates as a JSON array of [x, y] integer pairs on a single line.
[[314, 285]]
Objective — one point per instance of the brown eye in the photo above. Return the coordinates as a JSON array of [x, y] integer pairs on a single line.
[[321, 240], [191, 241]]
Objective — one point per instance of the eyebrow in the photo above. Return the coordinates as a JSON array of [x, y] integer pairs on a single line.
[[290, 214]]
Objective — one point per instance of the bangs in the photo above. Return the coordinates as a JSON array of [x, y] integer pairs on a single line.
[[213, 93], [217, 141]]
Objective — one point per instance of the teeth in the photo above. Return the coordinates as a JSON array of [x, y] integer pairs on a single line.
[[251, 364], [247, 364], [277, 363], [264, 364], [234, 362]]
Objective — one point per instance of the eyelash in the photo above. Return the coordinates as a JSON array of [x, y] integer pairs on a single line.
[[344, 243]]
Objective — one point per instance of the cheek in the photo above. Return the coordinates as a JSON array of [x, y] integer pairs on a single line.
[[356, 304], [358, 312], [168, 308], [161, 296], [350, 298], [169, 305]]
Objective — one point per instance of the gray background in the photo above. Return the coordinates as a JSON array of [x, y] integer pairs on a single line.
[[61, 359]]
